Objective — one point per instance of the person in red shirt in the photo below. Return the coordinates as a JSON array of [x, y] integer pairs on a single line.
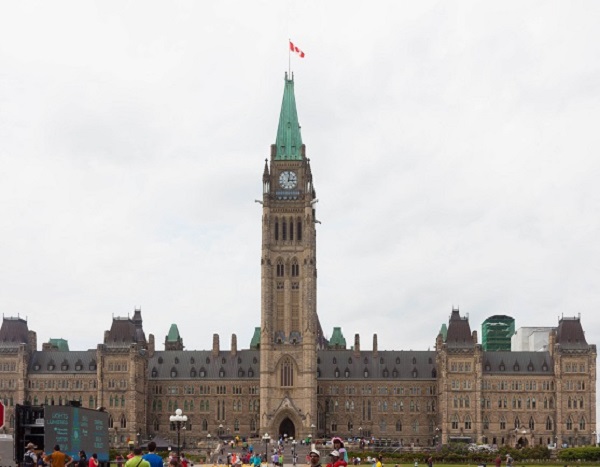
[[336, 461]]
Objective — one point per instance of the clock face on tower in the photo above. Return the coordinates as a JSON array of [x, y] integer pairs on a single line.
[[288, 180]]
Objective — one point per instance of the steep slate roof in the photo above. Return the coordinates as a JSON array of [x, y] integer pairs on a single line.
[[123, 332], [14, 331], [186, 362], [399, 364], [517, 363], [289, 139], [41, 361], [570, 334], [459, 331], [444, 332]]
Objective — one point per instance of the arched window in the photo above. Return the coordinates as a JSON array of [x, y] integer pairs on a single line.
[[531, 423], [549, 424], [486, 423], [517, 422], [287, 373], [283, 230], [123, 421], [582, 423], [295, 268], [280, 268], [569, 423], [455, 422], [467, 422], [276, 229], [291, 229], [299, 230], [503, 423]]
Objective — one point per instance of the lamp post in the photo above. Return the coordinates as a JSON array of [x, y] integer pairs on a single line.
[[266, 438], [179, 420], [184, 430], [294, 457], [139, 438], [220, 430]]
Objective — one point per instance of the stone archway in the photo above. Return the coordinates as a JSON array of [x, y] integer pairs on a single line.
[[287, 427], [522, 442]]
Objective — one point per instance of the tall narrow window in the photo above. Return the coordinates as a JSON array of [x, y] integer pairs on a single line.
[[283, 230], [280, 268], [276, 229], [299, 230], [291, 229], [287, 373], [295, 268]]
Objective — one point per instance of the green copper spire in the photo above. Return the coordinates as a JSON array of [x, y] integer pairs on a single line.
[[289, 139], [173, 335]]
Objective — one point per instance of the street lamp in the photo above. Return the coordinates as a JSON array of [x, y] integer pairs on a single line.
[[179, 420], [266, 438], [139, 438], [220, 430]]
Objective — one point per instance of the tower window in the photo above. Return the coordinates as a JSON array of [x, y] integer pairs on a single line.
[[295, 268], [280, 268], [299, 230], [283, 230], [291, 229], [287, 373], [276, 229]]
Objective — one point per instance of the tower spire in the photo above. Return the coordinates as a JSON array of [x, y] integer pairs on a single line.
[[289, 140]]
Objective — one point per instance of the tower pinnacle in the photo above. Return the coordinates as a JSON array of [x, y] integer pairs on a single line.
[[289, 139]]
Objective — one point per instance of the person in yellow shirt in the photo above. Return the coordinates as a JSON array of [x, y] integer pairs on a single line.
[[58, 458]]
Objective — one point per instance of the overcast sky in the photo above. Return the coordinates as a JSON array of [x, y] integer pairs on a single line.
[[454, 148]]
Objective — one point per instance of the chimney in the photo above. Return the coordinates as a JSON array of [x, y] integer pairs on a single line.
[[551, 342], [233, 345], [374, 345], [151, 345], [215, 349], [356, 345], [474, 334]]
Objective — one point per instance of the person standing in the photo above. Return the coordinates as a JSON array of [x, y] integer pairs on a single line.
[[93, 460], [338, 445], [509, 461], [336, 460], [58, 458], [30, 458], [137, 460], [153, 459], [498, 461]]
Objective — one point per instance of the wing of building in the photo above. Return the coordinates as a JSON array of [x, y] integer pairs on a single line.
[[291, 380]]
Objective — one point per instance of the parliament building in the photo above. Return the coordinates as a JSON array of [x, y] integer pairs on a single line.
[[293, 381]]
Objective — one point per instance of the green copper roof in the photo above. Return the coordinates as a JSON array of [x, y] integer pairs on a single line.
[[444, 331], [337, 338], [289, 139], [60, 344], [173, 335], [255, 342]]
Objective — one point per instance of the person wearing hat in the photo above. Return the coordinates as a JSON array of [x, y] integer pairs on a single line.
[[338, 445], [336, 460], [509, 461], [30, 458], [315, 458]]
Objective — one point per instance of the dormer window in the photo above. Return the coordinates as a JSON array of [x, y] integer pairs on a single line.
[[395, 373], [250, 373], [154, 373], [36, 367], [207, 360], [381, 361], [221, 373], [160, 360], [202, 373], [192, 361], [347, 373], [350, 360], [366, 373], [176, 360], [516, 366], [240, 373], [337, 373], [173, 372], [193, 373], [366, 361], [414, 373], [397, 360]]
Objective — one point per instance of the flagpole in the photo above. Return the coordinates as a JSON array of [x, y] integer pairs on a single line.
[[289, 58]]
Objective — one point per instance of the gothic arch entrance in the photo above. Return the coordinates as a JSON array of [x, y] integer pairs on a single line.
[[522, 442], [286, 427]]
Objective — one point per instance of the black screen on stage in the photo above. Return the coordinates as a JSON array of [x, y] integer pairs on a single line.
[[75, 429]]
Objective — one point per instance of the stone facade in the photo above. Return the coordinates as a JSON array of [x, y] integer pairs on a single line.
[[291, 380]]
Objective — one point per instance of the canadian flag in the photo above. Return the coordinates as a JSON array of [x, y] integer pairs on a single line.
[[293, 48]]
